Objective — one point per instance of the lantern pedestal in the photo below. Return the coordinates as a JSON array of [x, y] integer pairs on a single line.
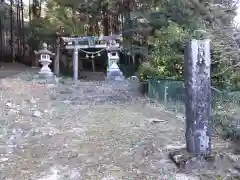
[[46, 76], [114, 73], [43, 79], [45, 70]]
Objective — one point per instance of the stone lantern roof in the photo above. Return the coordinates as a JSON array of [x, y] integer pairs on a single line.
[[44, 51], [113, 46]]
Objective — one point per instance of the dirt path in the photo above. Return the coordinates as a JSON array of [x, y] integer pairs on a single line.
[[88, 130]]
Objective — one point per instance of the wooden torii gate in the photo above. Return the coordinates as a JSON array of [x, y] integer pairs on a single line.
[[109, 43]]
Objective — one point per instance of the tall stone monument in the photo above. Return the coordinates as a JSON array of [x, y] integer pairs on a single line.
[[198, 99], [198, 107]]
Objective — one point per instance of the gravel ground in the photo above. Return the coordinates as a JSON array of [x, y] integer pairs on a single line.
[[84, 131]]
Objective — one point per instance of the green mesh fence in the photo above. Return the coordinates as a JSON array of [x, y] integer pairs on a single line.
[[169, 92], [225, 104]]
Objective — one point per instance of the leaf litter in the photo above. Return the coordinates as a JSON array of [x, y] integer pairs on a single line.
[[84, 130]]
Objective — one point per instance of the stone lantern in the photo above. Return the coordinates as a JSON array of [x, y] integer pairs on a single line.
[[45, 60], [113, 71]]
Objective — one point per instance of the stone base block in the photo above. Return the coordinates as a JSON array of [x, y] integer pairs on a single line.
[[115, 78], [218, 163], [46, 79], [187, 161], [45, 75], [115, 75]]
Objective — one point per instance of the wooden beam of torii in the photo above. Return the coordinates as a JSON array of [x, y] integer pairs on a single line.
[[86, 42]]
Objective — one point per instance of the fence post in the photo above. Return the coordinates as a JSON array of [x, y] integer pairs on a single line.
[[149, 88], [165, 92], [198, 96]]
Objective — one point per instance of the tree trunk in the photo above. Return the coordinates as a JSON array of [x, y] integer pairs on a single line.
[[90, 31], [121, 20], [198, 97], [105, 25], [30, 10], [36, 9], [57, 57], [105, 21], [97, 28], [11, 30], [22, 29], [115, 25], [18, 32], [1, 40]]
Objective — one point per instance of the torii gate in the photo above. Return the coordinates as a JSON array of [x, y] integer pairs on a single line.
[[108, 43]]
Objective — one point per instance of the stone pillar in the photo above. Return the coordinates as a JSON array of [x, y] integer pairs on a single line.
[[56, 60], [75, 64], [198, 97]]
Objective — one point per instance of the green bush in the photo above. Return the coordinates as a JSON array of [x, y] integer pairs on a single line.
[[146, 71], [168, 53], [226, 113]]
